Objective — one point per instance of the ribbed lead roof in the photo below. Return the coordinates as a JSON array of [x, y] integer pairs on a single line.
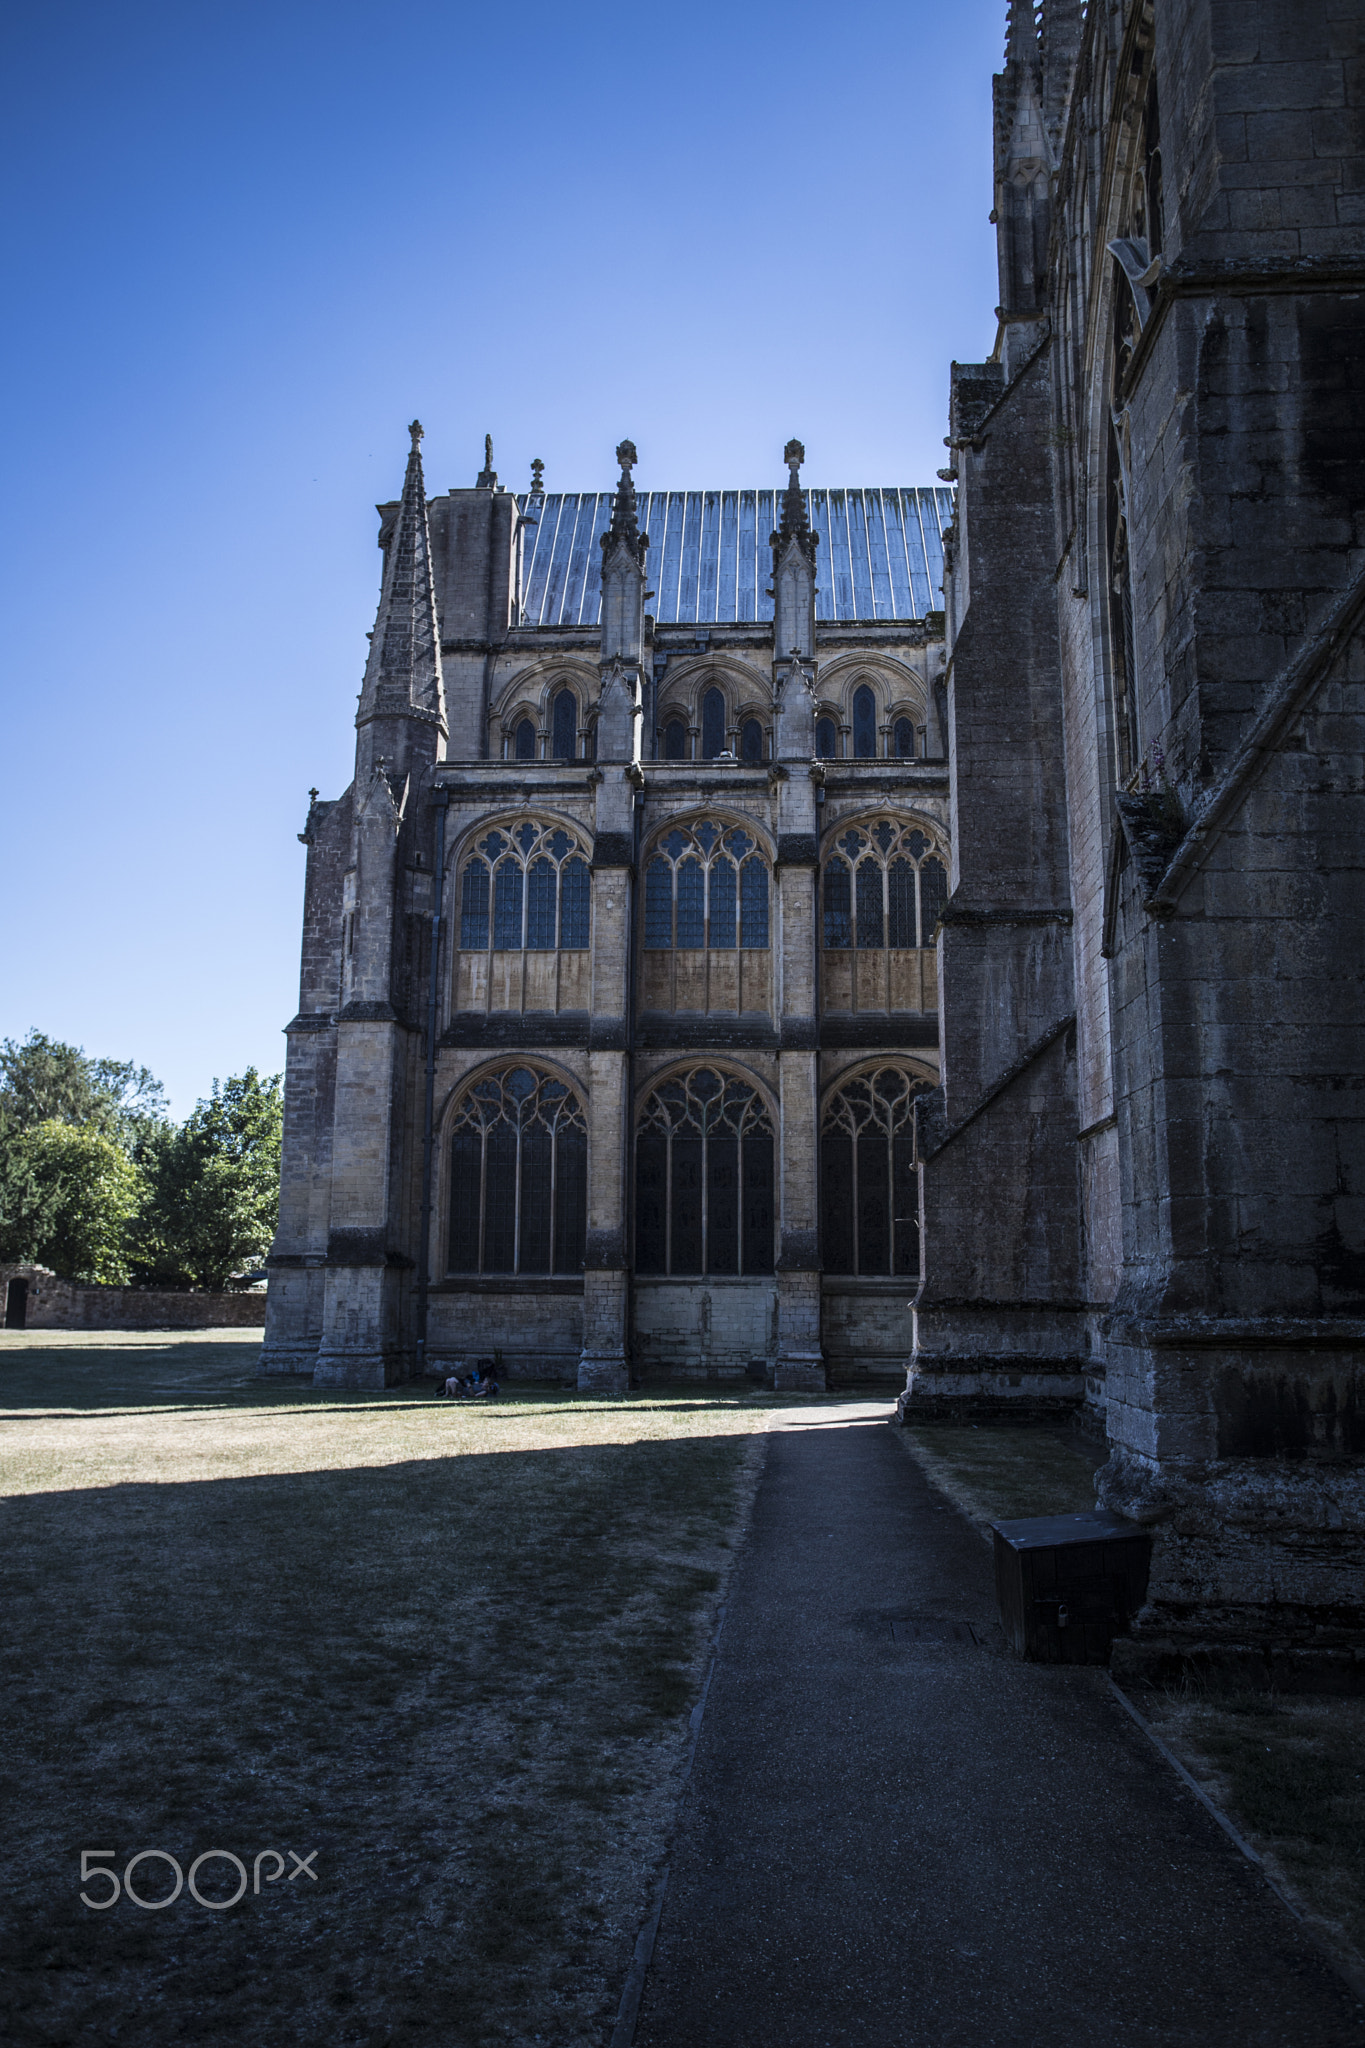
[[710, 563]]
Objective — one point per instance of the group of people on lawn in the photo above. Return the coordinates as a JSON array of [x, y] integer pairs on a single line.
[[476, 1385]]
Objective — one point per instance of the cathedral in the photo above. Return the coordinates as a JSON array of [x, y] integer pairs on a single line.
[[632, 1089], [915, 931]]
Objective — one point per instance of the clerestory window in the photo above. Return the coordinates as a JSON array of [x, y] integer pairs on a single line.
[[525, 887], [704, 1178], [883, 886], [712, 724], [706, 886], [869, 1192], [524, 741], [518, 1176], [564, 726], [864, 724]]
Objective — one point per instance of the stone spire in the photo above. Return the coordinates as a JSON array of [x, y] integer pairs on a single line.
[[793, 547], [1024, 160], [403, 674], [624, 547], [794, 525], [624, 530]]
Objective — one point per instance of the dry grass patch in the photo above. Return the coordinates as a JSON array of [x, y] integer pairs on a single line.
[[1290, 1772], [997, 1474], [450, 1648]]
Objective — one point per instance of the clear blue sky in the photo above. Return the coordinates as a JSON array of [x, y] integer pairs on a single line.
[[245, 244]]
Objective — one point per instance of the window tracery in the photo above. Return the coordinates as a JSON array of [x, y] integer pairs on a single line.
[[518, 1176], [704, 1177], [525, 886], [706, 885], [869, 1192], [884, 886]]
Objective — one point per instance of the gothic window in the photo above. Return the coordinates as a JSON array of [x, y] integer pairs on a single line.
[[826, 740], [869, 1195], [675, 740], [524, 741], [884, 885], [706, 885], [518, 1176], [704, 1178], [564, 726], [535, 877], [751, 742], [864, 724], [712, 724], [903, 739]]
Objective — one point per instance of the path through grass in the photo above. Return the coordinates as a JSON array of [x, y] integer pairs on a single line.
[[451, 1649]]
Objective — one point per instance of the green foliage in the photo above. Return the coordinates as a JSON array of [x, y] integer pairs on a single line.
[[213, 1187], [75, 1192], [98, 1184], [44, 1081]]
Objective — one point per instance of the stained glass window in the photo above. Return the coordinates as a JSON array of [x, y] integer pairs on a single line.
[[675, 740], [564, 726], [524, 746], [826, 740], [518, 1176], [751, 742], [883, 885], [869, 1195], [706, 885], [712, 724], [539, 887], [903, 739], [864, 723], [704, 1177]]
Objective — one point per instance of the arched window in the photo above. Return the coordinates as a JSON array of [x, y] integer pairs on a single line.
[[536, 878], [903, 739], [751, 742], [524, 741], [864, 724], [869, 1194], [884, 885], [675, 740], [712, 724], [706, 885], [564, 726], [704, 1177], [518, 1176], [826, 740]]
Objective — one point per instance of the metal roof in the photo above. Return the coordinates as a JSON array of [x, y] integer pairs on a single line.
[[710, 562]]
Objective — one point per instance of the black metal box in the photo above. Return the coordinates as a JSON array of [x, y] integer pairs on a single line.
[[1068, 1584]]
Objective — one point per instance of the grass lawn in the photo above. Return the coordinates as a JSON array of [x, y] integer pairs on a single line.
[[450, 1649], [1288, 1771]]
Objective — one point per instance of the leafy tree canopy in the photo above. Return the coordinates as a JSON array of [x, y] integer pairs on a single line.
[[44, 1081], [69, 1194], [213, 1187]]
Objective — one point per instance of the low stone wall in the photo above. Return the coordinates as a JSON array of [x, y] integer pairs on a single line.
[[54, 1304]]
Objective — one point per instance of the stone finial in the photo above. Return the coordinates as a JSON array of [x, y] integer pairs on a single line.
[[794, 524], [487, 479], [537, 477], [625, 522], [417, 432]]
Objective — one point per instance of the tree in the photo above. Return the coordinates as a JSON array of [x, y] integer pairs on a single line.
[[214, 1187], [43, 1080], [71, 1193]]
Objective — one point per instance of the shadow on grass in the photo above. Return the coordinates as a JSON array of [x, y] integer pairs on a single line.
[[458, 1679]]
